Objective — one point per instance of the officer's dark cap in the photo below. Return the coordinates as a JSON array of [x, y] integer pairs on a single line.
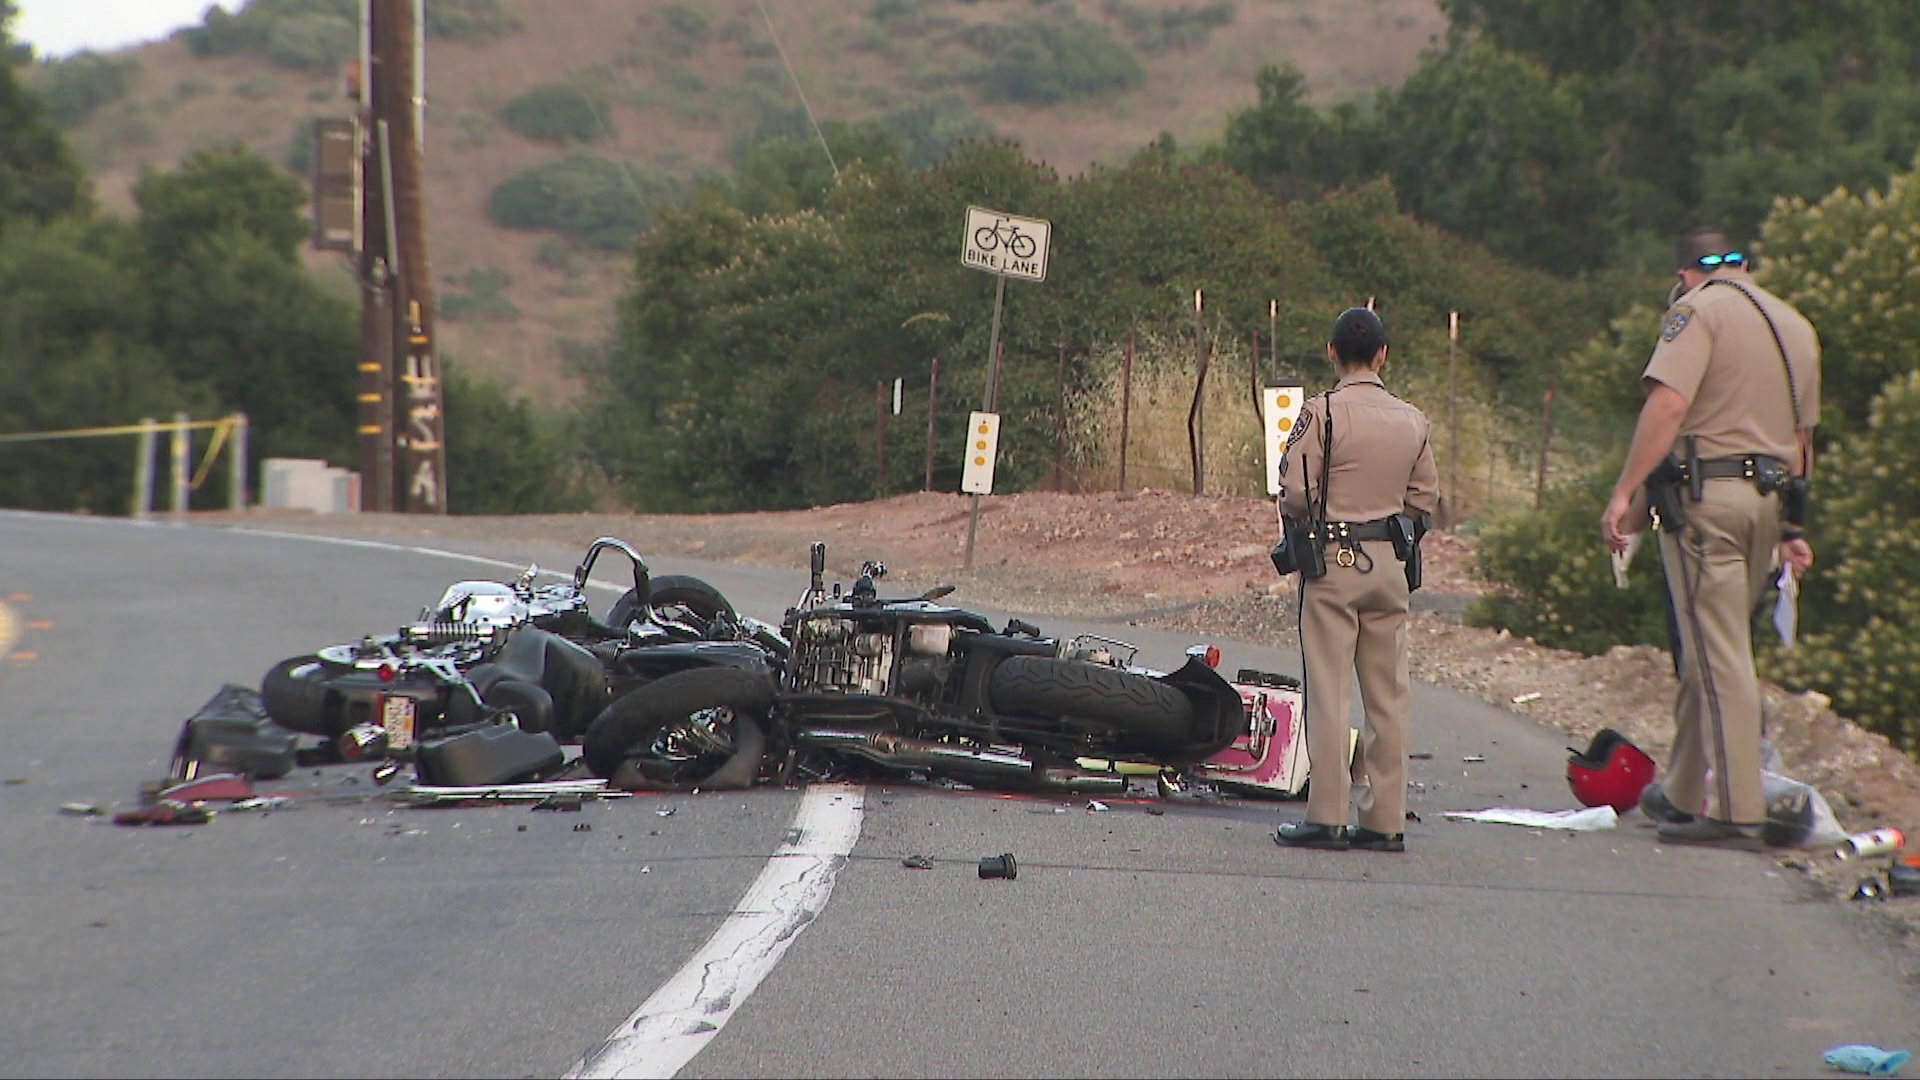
[[1357, 335]]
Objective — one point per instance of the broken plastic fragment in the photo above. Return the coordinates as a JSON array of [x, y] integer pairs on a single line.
[[164, 813], [1096, 805], [1522, 699]]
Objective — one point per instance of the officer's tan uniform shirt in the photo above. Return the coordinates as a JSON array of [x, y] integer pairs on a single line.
[[1382, 461], [1716, 350]]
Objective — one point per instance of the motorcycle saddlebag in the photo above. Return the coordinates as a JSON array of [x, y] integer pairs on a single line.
[[491, 754], [233, 733]]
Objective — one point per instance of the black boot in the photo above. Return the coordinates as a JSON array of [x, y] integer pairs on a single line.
[[1362, 837], [1309, 834]]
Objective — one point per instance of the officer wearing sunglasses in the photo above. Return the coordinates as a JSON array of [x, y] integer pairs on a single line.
[[1721, 460]]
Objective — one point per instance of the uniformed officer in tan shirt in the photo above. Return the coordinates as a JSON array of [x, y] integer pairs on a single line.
[[1353, 621], [1737, 373]]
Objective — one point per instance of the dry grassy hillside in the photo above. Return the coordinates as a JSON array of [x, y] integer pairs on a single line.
[[677, 102]]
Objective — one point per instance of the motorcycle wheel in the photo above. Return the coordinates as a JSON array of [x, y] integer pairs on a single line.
[[294, 693], [616, 742], [1136, 705], [698, 597]]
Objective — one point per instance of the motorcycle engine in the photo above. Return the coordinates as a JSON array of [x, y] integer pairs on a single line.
[[837, 656]]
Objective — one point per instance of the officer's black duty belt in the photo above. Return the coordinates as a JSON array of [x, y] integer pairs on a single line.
[[1750, 467], [1379, 529]]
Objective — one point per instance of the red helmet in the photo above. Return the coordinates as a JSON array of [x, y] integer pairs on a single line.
[[1611, 772]]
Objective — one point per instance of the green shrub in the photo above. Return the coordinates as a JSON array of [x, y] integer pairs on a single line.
[[686, 23], [76, 86], [299, 157], [257, 88], [1553, 579], [600, 202], [1046, 61], [504, 457], [312, 41], [470, 20], [1177, 28], [478, 294], [560, 256], [558, 112], [1859, 640]]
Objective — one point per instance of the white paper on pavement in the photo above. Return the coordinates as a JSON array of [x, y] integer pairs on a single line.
[[1786, 610], [1584, 820]]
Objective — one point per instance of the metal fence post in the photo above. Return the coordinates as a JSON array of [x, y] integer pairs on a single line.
[[1060, 426], [182, 449], [143, 455], [1126, 406], [1546, 442], [237, 464], [933, 392]]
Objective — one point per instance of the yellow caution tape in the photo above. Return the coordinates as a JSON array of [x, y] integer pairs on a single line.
[[122, 429]]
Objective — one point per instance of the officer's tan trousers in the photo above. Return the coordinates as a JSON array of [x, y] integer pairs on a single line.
[[1717, 569], [1355, 624]]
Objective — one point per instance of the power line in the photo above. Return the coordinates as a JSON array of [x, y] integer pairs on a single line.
[[796, 87]]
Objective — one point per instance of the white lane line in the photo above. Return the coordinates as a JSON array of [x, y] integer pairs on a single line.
[[690, 1008]]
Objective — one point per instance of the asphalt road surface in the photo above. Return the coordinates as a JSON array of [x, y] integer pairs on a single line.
[[349, 936]]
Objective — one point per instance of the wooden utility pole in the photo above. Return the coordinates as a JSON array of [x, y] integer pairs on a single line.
[[397, 319]]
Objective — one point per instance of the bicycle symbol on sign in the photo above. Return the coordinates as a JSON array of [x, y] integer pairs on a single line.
[[989, 237]]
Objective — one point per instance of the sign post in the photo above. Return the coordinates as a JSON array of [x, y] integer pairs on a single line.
[[1006, 246], [1280, 408]]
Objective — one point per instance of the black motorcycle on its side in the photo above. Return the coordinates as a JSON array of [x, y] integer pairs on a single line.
[[490, 651], [910, 685]]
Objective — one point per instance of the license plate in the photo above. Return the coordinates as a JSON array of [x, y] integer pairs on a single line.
[[397, 717]]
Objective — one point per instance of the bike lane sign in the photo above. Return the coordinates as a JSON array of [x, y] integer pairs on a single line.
[[1005, 244]]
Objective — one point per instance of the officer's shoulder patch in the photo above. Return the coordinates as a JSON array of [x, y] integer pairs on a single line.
[[1676, 321], [1300, 425]]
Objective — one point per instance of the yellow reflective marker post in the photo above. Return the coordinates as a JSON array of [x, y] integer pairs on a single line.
[[983, 445], [1279, 408]]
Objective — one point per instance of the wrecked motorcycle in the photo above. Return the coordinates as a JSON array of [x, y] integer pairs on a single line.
[[489, 651], [907, 685]]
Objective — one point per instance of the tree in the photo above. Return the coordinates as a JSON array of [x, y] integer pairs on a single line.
[[1486, 144], [1289, 148], [1850, 262], [39, 179], [75, 310], [226, 189], [1860, 613], [502, 457]]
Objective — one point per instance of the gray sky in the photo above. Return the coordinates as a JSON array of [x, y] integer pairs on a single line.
[[62, 27]]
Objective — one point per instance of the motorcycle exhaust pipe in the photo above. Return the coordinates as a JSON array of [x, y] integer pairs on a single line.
[[901, 752], [1075, 780]]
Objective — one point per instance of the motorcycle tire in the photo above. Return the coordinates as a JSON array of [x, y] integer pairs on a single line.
[[698, 597], [1138, 706], [294, 693], [634, 720]]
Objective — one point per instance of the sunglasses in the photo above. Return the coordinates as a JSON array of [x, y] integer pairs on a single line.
[[1731, 258]]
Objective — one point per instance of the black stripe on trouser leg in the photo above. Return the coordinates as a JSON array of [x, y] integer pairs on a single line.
[[1716, 726]]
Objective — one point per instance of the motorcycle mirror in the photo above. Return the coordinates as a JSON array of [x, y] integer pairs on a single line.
[[936, 592]]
